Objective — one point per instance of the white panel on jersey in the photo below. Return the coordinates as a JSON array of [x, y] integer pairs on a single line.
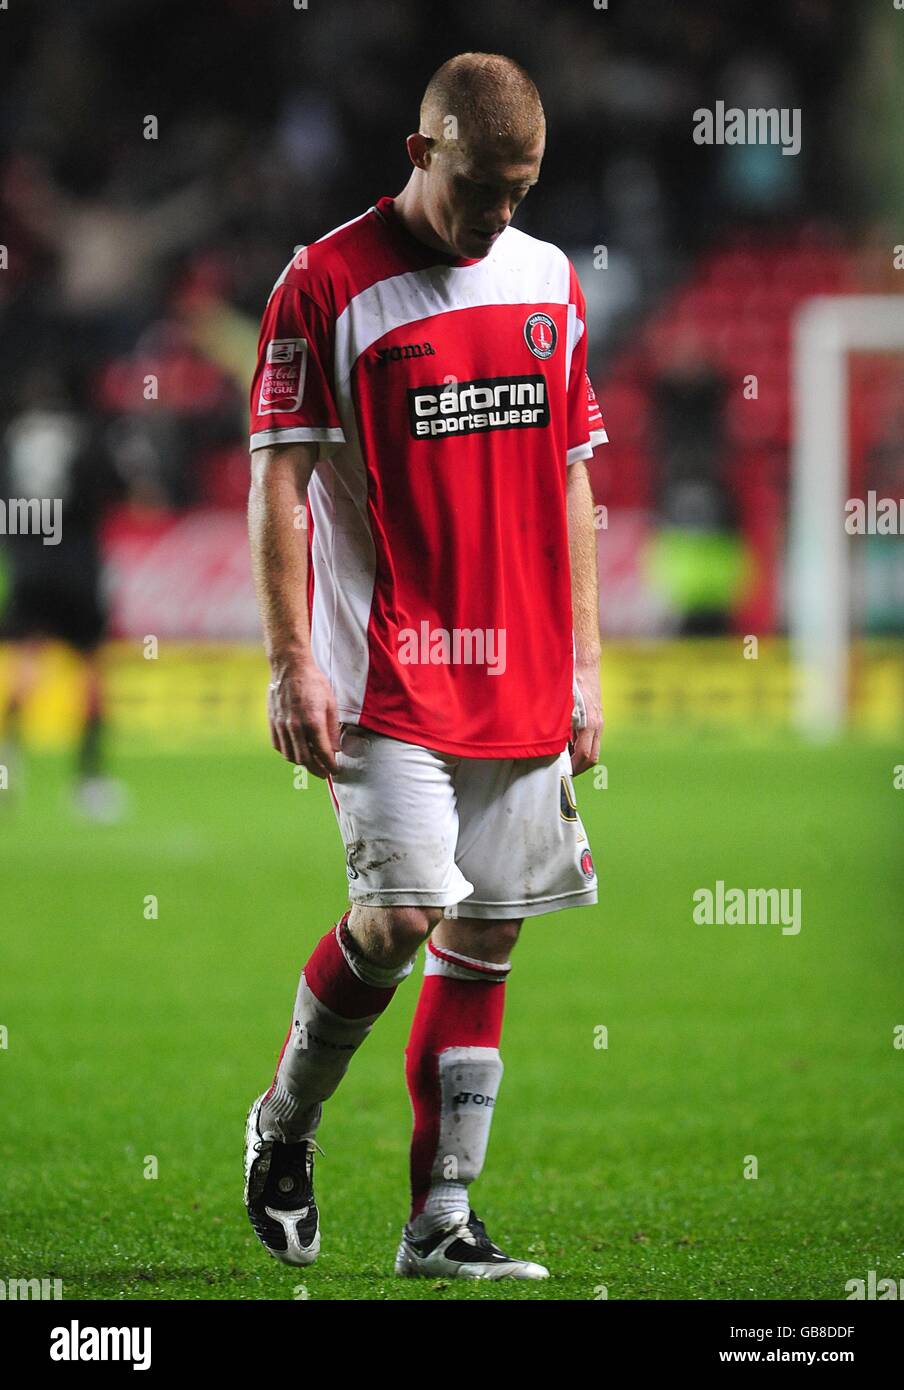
[[344, 561], [518, 270], [574, 336]]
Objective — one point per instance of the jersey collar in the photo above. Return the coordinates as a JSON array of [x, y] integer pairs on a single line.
[[414, 248]]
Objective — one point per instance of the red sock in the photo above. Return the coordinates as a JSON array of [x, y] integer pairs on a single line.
[[453, 1069]]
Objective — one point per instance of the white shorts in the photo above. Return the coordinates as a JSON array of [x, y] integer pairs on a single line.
[[479, 837]]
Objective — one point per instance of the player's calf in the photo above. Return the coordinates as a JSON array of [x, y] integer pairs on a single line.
[[454, 1070]]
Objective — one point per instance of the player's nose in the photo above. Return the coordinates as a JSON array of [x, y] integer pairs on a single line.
[[498, 216], [496, 221]]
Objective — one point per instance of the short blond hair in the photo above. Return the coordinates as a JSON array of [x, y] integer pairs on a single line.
[[490, 96]]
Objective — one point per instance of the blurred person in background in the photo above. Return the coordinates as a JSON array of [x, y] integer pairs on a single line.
[[52, 455], [697, 557]]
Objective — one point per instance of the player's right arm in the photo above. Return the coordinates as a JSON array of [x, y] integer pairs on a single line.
[[301, 705]]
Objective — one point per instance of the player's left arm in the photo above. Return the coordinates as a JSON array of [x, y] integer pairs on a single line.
[[585, 746]]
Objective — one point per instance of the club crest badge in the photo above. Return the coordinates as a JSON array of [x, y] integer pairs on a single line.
[[541, 335]]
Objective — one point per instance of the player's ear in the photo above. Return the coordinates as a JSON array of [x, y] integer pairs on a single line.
[[419, 147]]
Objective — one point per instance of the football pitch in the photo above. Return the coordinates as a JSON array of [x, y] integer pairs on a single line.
[[653, 1064]]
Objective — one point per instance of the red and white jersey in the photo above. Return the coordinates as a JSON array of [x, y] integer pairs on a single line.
[[447, 397]]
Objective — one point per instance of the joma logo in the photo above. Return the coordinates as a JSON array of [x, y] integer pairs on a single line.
[[475, 1097], [402, 351]]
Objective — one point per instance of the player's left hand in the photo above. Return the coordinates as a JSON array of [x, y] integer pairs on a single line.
[[584, 745]]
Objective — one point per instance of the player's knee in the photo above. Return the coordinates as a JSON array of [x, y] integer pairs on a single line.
[[505, 934], [483, 938], [412, 925], [499, 938], [393, 932]]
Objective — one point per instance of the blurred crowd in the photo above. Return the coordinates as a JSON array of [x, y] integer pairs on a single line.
[[159, 163]]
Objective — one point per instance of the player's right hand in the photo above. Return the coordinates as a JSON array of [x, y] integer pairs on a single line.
[[304, 724]]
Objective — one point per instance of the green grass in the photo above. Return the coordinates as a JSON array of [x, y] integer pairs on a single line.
[[620, 1167]]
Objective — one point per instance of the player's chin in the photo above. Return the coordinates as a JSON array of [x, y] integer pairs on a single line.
[[473, 246]]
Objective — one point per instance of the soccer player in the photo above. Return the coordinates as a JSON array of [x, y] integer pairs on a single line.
[[52, 457], [422, 408]]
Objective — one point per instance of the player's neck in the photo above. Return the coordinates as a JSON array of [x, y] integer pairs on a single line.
[[410, 212]]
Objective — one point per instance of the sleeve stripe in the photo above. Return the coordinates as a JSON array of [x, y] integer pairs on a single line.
[[585, 450], [297, 435]]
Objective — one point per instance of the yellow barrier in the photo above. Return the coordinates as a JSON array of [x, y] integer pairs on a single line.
[[194, 695]]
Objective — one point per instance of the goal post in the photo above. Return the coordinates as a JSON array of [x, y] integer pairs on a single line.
[[826, 329]]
